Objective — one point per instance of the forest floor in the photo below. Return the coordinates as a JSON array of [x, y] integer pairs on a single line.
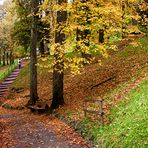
[[27, 129]]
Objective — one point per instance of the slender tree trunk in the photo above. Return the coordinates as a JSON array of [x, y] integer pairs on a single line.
[[33, 56], [58, 72], [41, 48], [4, 57], [123, 15], [11, 58], [101, 36], [134, 22], [41, 34], [7, 58], [46, 48], [0, 56]]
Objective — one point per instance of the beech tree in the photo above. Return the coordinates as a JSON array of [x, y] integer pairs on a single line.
[[22, 25], [74, 27], [58, 69], [6, 26], [85, 20]]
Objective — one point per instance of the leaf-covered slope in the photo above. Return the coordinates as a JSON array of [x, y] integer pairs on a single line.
[[95, 80]]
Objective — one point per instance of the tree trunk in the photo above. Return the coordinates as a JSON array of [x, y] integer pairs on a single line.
[[11, 57], [101, 36], [7, 58], [58, 78], [4, 57], [33, 56], [0, 56], [46, 48], [123, 15], [134, 22], [41, 48], [58, 71]]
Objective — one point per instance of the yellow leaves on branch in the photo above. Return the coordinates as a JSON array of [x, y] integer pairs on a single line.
[[92, 15]]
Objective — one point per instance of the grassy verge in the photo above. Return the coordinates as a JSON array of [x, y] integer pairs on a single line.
[[3, 68], [129, 121], [4, 72], [23, 78]]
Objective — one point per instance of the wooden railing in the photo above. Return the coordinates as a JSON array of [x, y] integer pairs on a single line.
[[98, 112]]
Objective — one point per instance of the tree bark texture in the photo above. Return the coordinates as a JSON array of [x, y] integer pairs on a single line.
[[7, 58], [101, 36], [58, 71], [33, 56], [41, 48], [0, 56], [4, 57]]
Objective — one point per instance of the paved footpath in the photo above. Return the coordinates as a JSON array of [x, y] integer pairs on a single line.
[[22, 129], [4, 86]]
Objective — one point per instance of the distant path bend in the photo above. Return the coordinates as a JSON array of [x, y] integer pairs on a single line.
[[4, 86]]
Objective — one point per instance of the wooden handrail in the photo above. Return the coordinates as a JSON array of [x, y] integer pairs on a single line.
[[98, 112]]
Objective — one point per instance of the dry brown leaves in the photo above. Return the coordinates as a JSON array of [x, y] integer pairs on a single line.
[[26, 120], [86, 85]]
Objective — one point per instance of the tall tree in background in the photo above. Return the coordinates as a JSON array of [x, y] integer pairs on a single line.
[[6, 27], [4, 56], [22, 26], [123, 7], [142, 9], [83, 22], [83, 16]]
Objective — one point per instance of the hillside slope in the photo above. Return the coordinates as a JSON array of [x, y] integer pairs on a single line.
[[128, 127], [95, 81]]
